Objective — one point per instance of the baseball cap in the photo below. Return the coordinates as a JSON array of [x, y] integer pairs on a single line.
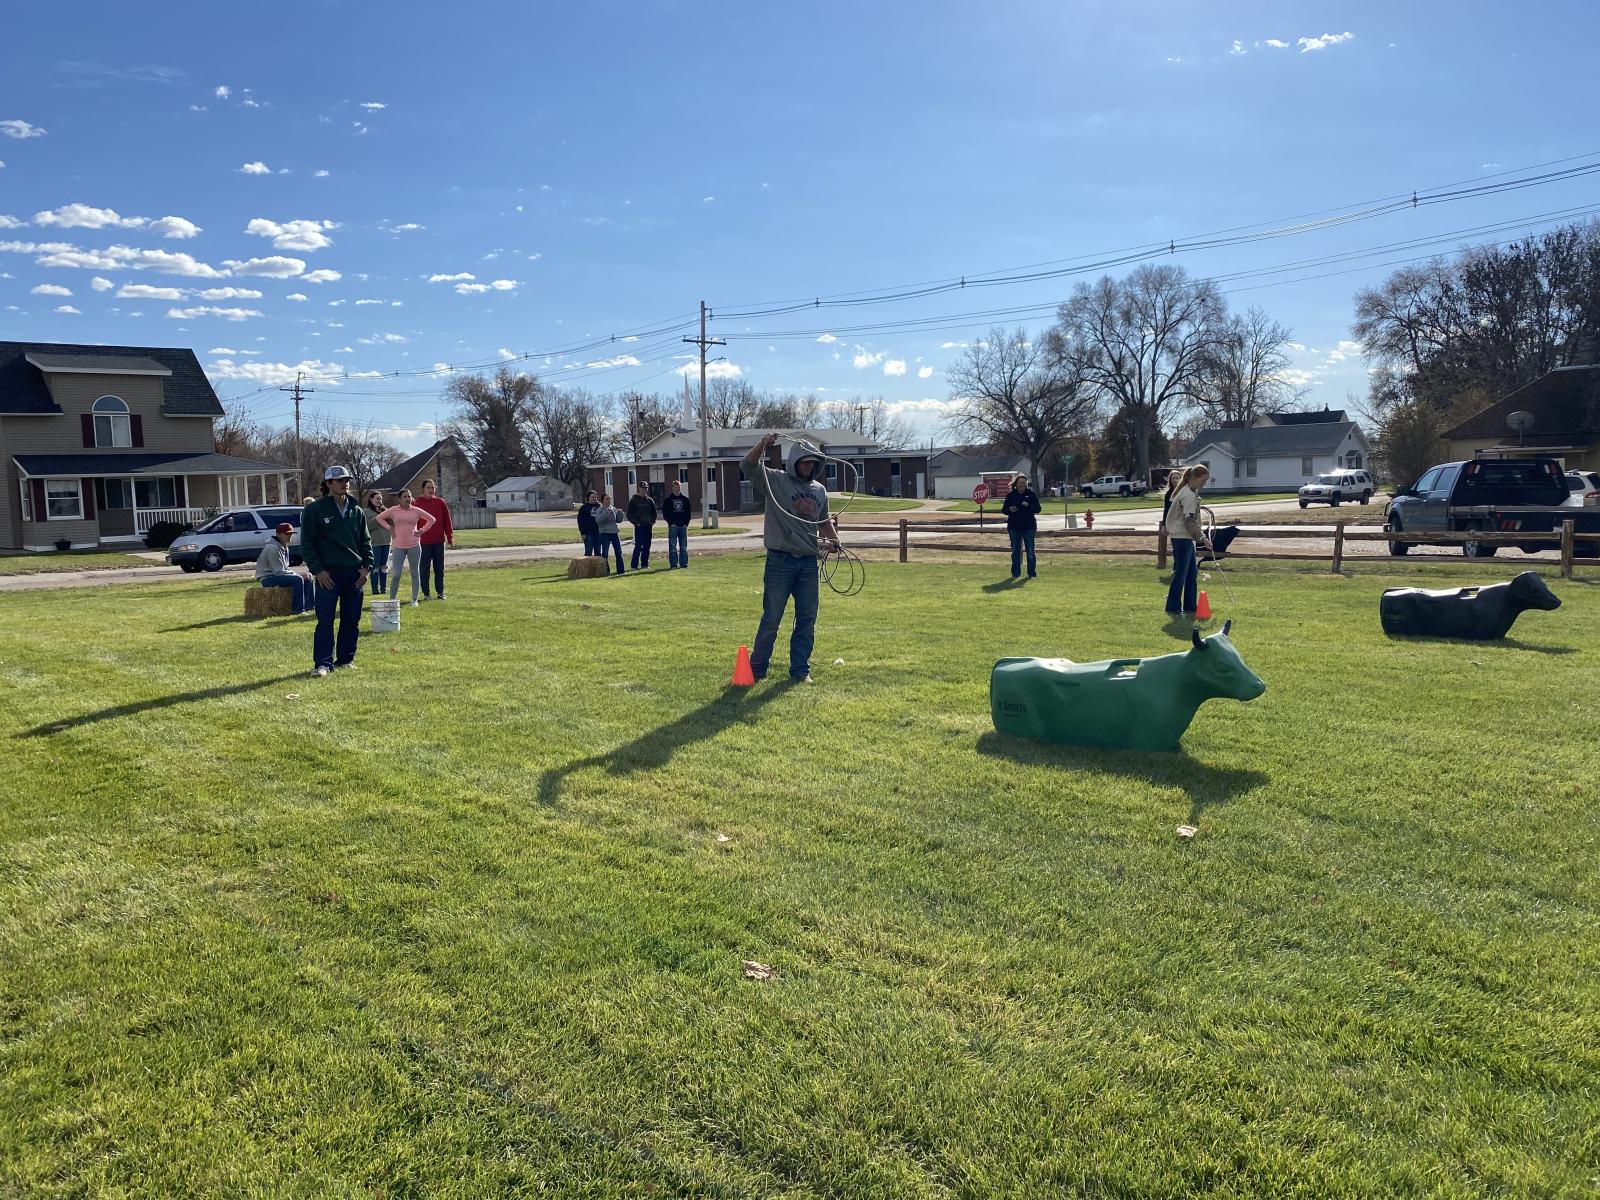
[[336, 472], [284, 527]]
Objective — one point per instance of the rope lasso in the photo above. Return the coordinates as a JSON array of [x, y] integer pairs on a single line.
[[836, 556]]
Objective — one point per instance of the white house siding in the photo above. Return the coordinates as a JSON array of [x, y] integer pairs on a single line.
[[1275, 473]]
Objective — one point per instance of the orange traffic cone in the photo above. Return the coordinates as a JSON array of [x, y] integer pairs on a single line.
[[743, 676], [1202, 610]]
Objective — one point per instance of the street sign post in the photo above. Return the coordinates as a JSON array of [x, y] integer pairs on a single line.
[[980, 497]]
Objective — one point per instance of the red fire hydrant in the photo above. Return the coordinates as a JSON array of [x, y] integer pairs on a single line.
[[1088, 519]]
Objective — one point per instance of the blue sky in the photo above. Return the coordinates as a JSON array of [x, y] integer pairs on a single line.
[[357, 189]]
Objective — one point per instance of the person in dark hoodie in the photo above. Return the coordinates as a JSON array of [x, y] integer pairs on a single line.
[[1021, 507], [797, 526], [642, 516], [338, 551], [677, 510], [587, 529]]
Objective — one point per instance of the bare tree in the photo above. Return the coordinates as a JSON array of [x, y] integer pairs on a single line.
[[642, 417], [237, 433], [789, 411], [731, 403], [570, 429], [1242, 375], [1142, 343], [491, 419], [870, 418], [358, 448], [1019, 395]]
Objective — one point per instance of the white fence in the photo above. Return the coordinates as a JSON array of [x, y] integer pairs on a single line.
[[143, 518]]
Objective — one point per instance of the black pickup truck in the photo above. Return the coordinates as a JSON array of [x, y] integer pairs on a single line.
[[1488, 495]]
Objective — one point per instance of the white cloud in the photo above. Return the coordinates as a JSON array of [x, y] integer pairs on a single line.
[[366, 374], [1319, 43], [21, 130], [229, 293], [319, 174], [274, 266], [708, 199], [335, 303], [1238, 48], [256, 168], [114, 258], [1276, 44], [143, 291], [373, 105], [359, 303], [716, 370], [322, 275], [51, 289], [827, 339], [927, 405], [504, 353], [408, 227], [393, 339], [293, 235], [223, 91], [863, 360], [295, 296], [67, 308], [895, 366], [315, 371], [10, 222], [210, 310], [451, 278], [924, 372], [100, 284], [621, 360], [82, 216], [505, 285], [470, 289], [174, 227]]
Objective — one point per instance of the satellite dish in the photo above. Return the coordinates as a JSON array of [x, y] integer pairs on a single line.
[[1520, 423], [472, 490]]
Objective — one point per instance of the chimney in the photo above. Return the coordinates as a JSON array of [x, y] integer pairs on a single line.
[[1584, 353]]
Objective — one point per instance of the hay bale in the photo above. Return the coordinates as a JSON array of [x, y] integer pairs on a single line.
[[588, 567], [268, 602]]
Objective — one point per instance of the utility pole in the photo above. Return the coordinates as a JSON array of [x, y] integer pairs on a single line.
[[297, 391], [861, 419], [705, 469]]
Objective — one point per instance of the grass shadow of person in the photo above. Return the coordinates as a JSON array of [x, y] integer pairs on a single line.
[[1004, 585], [143, 706], [732, 706], [1204, 784], [212, 623]]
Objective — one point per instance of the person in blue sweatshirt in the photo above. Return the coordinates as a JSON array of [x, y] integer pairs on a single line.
[[677, 510], [1021, 507]]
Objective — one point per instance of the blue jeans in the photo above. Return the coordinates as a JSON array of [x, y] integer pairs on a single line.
[[787, 575], [591, 543], [380, 569], [297, 590], [609, 541], [1019, 539], [344, 597], [641, 545], [433, 552], [1185, 577], [677, 545]]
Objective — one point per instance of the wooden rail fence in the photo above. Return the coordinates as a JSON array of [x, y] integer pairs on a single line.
[[1566, 540]]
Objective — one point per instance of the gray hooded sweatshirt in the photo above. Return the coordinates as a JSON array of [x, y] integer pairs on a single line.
[[788, 497]]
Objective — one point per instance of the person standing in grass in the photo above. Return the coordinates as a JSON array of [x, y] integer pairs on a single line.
[[273, 570], [1183, 528], [1021, 507], [606, 539], [406, 522], [642, 516], [337, 550], [676, 509], [586, 525], [440, 533], [379, 533], [797, 526]]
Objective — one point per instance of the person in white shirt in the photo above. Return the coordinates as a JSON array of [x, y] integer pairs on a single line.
[[1183, 528]]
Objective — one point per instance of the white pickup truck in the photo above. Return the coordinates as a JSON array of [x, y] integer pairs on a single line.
[[1114, 485]]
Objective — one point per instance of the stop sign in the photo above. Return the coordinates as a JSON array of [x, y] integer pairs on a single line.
[[980, 494]]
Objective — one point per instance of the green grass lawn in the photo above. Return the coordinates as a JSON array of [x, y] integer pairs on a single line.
[[515, 535], [464, 922], [871, 504], [70, 560], [1055, 505]]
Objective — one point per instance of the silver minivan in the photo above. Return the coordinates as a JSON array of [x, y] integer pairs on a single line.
[[1335, 487], [235, 536]]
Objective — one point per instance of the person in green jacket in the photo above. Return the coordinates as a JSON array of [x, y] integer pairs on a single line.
[[338, 551]]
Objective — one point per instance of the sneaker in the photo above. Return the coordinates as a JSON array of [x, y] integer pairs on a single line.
[[806, 678], [349, 666], [425, 596], [441, 597], [323, 672], [413, 604]]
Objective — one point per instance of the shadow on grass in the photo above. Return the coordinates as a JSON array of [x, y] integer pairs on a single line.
[[1204, 785], [1470, 644], [1004, 585], [211, 624], [734, 705], [144, 706]]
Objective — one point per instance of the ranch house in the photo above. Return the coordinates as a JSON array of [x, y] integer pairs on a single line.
[[98, 443], [1279, 452], [1563, 407]]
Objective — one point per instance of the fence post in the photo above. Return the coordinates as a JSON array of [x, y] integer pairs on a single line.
[[1338, 545], [1161, 547], [1566, 549], [903, 539]]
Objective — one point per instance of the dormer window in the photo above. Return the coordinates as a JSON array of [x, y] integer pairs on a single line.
[[112, 425]]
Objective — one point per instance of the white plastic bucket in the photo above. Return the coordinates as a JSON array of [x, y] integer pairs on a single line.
[[385, 616]]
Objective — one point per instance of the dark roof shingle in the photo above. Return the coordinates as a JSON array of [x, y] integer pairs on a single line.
[[1565, 404], [68, 465], [187, 392], [1274, 440]]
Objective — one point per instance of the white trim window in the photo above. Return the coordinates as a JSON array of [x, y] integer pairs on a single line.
[[1250, 468], [683, 476], [113, 427], [63, 499], [1306, 465], [27, 499]]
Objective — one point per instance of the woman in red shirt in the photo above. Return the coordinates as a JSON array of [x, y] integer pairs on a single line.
[[436, 537]]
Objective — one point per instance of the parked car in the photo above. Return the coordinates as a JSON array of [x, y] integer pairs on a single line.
[[236, 536], [1583, 489], [1114, 485], [1494, 495], [1335, 487]]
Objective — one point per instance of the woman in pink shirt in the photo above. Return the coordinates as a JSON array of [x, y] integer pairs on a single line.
[[406, 525]]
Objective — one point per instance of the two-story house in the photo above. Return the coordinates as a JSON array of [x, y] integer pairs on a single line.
[[98, 443]]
